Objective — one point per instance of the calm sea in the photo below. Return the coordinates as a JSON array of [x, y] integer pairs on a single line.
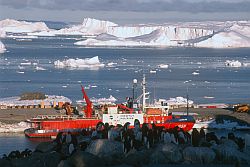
[[222, 84]]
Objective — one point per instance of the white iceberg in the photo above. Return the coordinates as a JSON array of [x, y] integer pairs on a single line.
[[229, 39], [2, 47], [79, 63], [178, 101], [89, 26], [50, 99], [2, 33], [110, 100], [49, 33], [14, 128], [14, 26], [198, 34], [233, 63]]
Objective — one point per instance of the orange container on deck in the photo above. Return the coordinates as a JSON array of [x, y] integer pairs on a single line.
[[60, 104], [153, 111]]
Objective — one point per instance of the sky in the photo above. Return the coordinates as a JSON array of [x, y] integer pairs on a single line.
[[126, 11]]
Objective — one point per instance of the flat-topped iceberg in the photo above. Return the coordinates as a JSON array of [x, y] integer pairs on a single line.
[[2, 47], [196, 34], [79, 63], [14, 26]]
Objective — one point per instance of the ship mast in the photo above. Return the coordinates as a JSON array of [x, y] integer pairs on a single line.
[[143, 93], [187, 102]]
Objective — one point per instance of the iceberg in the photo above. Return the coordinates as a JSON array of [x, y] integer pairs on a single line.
[[196, 34], [14, 26], [50, 33], [233, 63], [89, 26], [79, 63], [2, 47], [229, 39], [103, 100], [14, 128], [178, 101], [15, 101], [2, 33]]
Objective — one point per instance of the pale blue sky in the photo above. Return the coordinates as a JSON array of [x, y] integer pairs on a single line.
[[126, 11]]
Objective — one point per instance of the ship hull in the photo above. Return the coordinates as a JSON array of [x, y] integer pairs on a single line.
[[50, 128]]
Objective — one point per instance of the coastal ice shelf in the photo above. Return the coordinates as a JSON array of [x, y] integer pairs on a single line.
[[210, 34]]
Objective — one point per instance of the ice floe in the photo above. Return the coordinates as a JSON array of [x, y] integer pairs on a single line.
[[15, 101], [163, 65], [79, 63], [233, 63], [195, 73], [40, 68], [152, 71]]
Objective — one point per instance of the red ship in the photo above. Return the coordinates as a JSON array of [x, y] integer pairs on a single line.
[[51, 125]]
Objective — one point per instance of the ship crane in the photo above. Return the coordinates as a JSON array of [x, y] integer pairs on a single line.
[[88, 110]]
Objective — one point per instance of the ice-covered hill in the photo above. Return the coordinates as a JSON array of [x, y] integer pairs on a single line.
[[14, 26], [2, 47]]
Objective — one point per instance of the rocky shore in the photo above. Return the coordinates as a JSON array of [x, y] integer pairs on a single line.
[[95, 149]]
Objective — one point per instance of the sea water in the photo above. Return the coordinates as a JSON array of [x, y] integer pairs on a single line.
[[19, 73]]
